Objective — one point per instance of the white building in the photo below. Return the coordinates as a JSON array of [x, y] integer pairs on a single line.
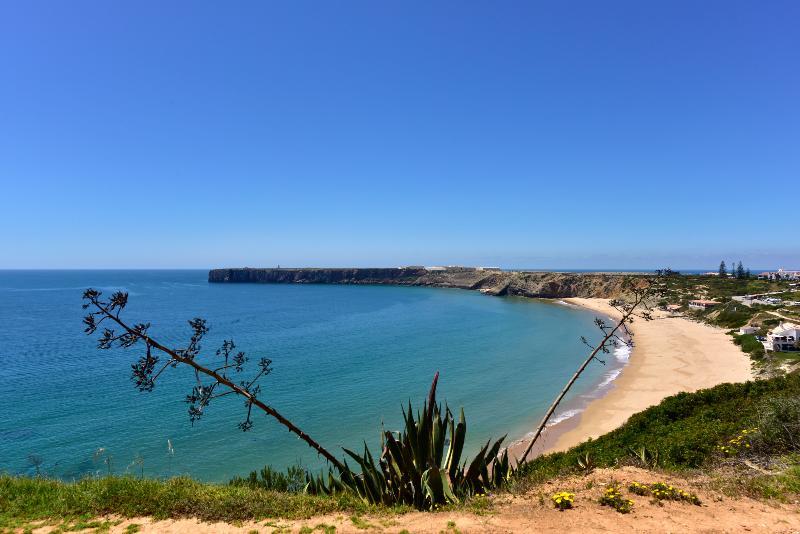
[[747, 330], [783, 338], [700, 304], [780, 274]]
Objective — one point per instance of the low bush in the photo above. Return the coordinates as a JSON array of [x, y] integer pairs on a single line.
[[563, 500], [778, 421], [683, 431], [292, 481], [612, 497], [748, 342], [664, 492], [731, 315]]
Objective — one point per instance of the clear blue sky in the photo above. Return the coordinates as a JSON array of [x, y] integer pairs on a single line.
[[525, 134]]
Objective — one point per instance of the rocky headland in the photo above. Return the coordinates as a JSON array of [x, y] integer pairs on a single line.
[[489, 281]]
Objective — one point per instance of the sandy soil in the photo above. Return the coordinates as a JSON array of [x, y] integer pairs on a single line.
[[534, 512], [670, 355]]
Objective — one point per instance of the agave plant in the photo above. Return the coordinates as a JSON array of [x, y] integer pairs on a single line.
[[422, 466]]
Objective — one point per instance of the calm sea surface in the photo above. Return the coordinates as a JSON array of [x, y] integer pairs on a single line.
[[344, 360]]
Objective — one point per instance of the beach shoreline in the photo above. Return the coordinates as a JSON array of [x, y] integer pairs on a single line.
[[670, 355]]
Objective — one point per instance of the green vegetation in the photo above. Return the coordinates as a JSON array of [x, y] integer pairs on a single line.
[[664, 492], [293, 481], [750, 345], [683, 431], [730, 315], [612, 497], [563, 500], [687, 287], [781, 486], [34, 499], [748, 342], [422, 467]]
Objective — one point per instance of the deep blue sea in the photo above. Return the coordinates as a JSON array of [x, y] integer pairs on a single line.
[[345, 358]]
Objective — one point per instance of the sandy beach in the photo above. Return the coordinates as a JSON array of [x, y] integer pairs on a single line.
[[670, 355]]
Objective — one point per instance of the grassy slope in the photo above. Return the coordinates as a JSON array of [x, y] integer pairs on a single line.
[[684, 430], [31, 499]]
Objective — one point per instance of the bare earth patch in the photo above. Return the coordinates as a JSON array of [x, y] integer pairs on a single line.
[[532, 511]]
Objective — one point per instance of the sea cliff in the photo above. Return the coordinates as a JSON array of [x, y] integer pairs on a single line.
[[492, 282]]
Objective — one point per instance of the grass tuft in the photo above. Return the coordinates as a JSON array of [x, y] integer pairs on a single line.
[[38, 499]]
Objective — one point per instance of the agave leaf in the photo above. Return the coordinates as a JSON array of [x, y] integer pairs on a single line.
[[456, 445], [395, 456], [476, 466], [359, 460], [436, 488], [500, 469], [424, 437], [492, 453], [412, 436], [448, 491], [432, 487], [437, 440]]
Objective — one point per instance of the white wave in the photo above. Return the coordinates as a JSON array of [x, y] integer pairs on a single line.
[[609, 377], [622, 353], [564, 416], [567, 304]]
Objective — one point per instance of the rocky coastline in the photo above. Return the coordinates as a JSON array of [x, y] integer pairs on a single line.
[[489, 281]]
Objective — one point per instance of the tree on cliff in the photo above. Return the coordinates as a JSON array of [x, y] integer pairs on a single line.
[[640, 293], [213, 379], [421, 467]]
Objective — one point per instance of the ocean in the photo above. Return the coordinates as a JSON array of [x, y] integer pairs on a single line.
[[345, 359]]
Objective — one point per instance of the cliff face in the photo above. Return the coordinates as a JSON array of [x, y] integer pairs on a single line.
[[526, 284], [405, 275]]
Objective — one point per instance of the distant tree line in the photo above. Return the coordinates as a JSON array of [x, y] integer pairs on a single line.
[[737, 271]]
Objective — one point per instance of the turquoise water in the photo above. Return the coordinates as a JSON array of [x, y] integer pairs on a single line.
[[344, 359]]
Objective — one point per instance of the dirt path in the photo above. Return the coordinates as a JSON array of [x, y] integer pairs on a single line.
[[533, 512]]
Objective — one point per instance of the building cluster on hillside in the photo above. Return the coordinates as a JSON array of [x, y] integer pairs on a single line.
[[780, 274], [460, 268], [783, 338]]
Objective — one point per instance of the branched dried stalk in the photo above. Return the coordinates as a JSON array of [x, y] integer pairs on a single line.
[[149, 367], [642, 291]]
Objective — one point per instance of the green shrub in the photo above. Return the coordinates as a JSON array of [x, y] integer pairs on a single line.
[[563, 500], [684, 430], [293, 481], [664, 492], [732, 315], [748, 342], [422, 466], [612, 497], [778, 423]]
